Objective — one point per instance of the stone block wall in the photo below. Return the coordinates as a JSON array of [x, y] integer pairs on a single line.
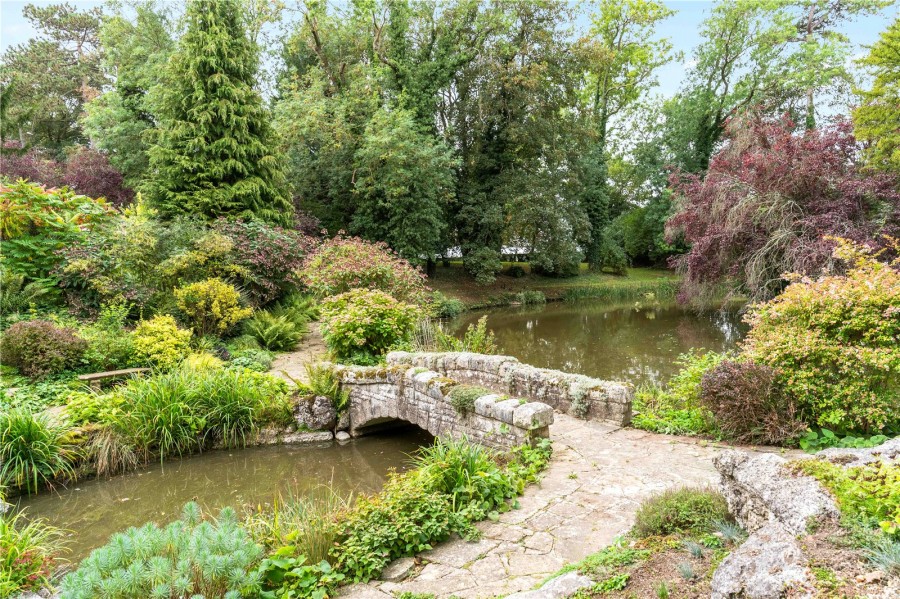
[[575, 394], [379, 395]]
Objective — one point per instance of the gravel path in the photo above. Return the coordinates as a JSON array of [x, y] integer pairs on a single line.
[[311, 350]]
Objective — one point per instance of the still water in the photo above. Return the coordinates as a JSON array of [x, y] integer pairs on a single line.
[[631, 343], [94, 509]]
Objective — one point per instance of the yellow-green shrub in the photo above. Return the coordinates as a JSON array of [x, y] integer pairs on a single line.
[[213, 306], [159, 342], [836, 343]]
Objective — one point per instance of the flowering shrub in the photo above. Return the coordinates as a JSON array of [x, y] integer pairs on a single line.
[[270, 256], [346, 263], [160, 342], [213, 306], [39, 347], [836, 342], [36, 222], [361, 325]]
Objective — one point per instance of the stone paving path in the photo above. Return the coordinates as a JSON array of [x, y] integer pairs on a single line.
[[597, 478]]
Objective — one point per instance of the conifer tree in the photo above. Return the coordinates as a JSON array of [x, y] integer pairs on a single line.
[[214, 154]]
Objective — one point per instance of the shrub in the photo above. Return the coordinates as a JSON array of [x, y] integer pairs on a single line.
[[30, 239], [275, 333], [270, 257], [483, 263], [39, 347], [188, 557], [834, 342], [84, 408], [110, 346], [515, 271], [342, 264], [159, 342], [528, 298], [258, 360], [748, 403], [364, 325], [680, 510], [212, 306], [34, 450], [445, 307], [28, 551], [868, 494], [292, 577], [676, 409]]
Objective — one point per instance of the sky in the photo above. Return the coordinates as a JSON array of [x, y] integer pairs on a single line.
[[682, 30]]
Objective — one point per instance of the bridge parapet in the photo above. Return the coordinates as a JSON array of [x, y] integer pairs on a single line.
[[576, 394], [382, 395]]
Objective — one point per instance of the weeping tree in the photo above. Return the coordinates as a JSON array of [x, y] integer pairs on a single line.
[[768, 204], [214, 153]]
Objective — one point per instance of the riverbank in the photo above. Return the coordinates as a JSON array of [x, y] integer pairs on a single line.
[[515, 279]]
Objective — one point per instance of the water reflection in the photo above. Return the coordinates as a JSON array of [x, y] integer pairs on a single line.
[[92, 510], [634, 343]]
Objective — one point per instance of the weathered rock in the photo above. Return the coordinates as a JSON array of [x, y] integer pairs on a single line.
[[305, 437], [398, 569], [342, 436], [316, 414], [343, 422], [4, 507], [561, 586], [888, 450], [533, 415], [767, 565], [759, 490]]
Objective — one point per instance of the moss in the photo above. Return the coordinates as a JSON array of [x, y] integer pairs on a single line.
[[462, 397]]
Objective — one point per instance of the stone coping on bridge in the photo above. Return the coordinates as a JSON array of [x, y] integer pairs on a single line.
[[381, 395], [578, 395]]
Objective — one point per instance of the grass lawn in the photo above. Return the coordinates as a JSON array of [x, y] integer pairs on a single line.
[[453, 281]]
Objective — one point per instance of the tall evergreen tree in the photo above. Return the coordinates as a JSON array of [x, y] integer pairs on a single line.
[[215, 153]]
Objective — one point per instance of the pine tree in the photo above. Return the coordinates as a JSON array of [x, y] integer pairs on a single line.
[[214, 154]]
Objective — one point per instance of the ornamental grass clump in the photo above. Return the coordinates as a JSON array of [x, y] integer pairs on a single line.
[[679, 511], [189, 557], [34, 450], [836, 343], [28, 552]]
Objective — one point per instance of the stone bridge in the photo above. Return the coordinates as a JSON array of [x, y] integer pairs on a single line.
[[512, 404]]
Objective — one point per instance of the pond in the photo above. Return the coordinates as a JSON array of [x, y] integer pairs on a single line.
[[634, 343], [94, 509]]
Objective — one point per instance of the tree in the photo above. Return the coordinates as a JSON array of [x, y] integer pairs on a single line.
[[135, 55], [404, 179], [50, 78], [877, 119], [214, 154], [768, 200], [621, 55]]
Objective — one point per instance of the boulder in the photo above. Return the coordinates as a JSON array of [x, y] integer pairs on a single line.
[[316, 414], [302, 438], [343, 422], [557, 588], [342, 436], [759, 491], [766, 566], [888, 450]]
